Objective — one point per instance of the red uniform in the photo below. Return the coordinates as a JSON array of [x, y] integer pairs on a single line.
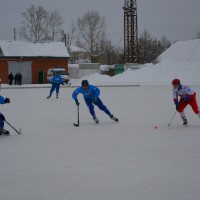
[[188, 96]]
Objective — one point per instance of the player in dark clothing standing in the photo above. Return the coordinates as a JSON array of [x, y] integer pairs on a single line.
[[10, 78]]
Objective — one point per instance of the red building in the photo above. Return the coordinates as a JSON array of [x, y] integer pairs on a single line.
[[32, 60]]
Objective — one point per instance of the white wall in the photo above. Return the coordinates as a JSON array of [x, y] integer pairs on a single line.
[[76, 71]]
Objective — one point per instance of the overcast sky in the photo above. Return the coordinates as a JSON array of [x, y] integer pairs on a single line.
[[177, 19]]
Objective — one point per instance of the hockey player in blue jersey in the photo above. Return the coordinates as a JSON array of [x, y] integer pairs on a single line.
[[2, 118], [91, 96], [56, 80]]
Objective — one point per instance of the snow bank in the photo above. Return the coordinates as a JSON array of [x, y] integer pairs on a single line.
[[181, 60], [181, 51], [162, 73]]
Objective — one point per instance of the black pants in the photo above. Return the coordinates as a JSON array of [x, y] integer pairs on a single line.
[[10, 82]]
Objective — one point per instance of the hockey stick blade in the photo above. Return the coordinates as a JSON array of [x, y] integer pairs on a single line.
[[172, 119], [76, 125], [19, 132]]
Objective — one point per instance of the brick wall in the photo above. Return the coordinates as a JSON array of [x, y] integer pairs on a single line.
[[38, 64], [44, 64], [4, 71]]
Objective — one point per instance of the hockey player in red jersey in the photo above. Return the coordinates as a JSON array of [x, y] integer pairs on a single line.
[[187, 96]]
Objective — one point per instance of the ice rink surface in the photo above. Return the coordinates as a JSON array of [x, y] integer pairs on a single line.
[[53, 160]]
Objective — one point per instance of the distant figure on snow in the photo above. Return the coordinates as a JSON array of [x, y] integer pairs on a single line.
[[20, 78], [91, 96], [56, 80], [10, 78], [16, 79], [187, 96]]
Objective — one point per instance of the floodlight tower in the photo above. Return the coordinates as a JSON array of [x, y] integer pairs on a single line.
[[130, 31]]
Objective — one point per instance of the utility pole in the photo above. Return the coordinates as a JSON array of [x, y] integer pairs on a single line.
[[130, 31], [14, 35], [64, 37]]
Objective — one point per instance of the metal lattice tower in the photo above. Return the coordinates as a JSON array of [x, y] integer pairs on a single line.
[[130, 32]]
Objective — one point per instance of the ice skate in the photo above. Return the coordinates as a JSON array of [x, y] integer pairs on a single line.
[[114, 118], [4, 132], [96, 119], [185, 123]]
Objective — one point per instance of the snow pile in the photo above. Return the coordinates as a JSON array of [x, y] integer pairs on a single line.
[[181, 60], [161, 73], [182, 51]]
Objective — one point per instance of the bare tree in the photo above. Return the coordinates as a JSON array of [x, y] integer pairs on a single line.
[[91, 27], [116, 55], [40, 25], [69, 37], [150, 48], [55, 27], [145, 44], [165, 43]]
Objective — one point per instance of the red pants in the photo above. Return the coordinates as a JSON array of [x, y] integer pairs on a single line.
[[192, 103]]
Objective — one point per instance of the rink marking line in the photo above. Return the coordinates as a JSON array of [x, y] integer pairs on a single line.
[[36, 87]]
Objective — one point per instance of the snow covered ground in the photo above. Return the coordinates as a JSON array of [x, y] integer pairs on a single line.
[[181, 60], [53, 160], [150, 74]]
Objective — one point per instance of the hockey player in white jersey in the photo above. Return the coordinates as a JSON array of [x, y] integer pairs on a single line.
[[187, 96]]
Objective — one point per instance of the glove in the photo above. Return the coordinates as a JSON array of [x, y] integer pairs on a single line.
[[77, 103], [2, 118], [94, 100], [177, 107], [6, 100]]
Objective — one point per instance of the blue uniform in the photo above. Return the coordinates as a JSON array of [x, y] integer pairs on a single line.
[[1, 102], [56, 80], [89, 95]]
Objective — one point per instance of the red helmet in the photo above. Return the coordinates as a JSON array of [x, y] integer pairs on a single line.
[[176, 82]]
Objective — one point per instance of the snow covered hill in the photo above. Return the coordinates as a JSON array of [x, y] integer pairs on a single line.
[[162, 73], [182, 51], [181, 60]]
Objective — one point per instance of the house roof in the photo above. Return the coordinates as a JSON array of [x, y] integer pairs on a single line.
[[31, 49]]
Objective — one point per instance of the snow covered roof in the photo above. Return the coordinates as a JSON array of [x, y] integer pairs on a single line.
[[182, 51], [76, 49], [30, 49]]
